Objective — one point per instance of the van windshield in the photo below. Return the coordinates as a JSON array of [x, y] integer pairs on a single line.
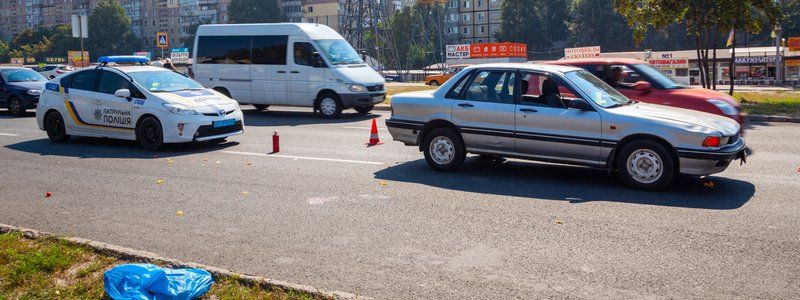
[[339, 52]]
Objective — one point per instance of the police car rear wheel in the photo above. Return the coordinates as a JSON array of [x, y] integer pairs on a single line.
[[54, 125], [149, 134], [15, 106]]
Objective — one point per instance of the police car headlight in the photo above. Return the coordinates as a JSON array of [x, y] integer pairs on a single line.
[[34, 92], [357, 87], [724, 106], [179, 109]]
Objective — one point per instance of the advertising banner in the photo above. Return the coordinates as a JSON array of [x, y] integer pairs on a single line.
[[582, 52], [179, 55], [492, 50], [669, 63], [793, 43], [74, 58], [756, 59], [458, 51]]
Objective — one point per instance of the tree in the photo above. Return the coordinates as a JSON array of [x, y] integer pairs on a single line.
[[254, 11], [4, 49], [705, 21], [537, 23], [191, 29], [790, 19], [110, 30], [594, 22]]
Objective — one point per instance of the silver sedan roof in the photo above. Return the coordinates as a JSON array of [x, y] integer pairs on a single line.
[[526, 66]]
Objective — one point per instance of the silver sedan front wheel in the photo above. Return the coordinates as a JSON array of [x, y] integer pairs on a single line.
[[645, 166]]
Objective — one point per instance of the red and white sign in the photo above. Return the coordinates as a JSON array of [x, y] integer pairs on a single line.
[[669, 63], [582, 52], [457, 51], [492, 50]]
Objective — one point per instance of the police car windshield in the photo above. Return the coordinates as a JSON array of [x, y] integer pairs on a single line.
[[164, 81], [339, 52], [21, 75]]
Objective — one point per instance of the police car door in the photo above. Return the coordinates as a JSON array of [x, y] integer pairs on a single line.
[[114, 113], [80, 101]]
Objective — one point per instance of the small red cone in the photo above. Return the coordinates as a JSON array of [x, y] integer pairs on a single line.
[[373, 135]]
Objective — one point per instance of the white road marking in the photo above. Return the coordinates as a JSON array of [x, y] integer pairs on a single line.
[[8, 134], [305, 158], [364, 128]]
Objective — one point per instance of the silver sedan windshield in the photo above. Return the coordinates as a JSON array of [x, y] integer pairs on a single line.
[[597, 90]]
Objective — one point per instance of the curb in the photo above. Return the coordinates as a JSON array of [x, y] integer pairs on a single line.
[[143, 256], [762, 118]]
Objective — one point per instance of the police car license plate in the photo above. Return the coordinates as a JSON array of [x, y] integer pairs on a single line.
[[224, 123]]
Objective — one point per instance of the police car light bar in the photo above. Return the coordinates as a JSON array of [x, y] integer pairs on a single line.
[[123, 59]]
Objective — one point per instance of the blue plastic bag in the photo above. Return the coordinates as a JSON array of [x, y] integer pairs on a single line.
[[150, 282]]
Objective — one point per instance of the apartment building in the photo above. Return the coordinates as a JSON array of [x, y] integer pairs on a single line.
[[292, 10], [479, 20], [201, 11], [325, 12], [13, 15]]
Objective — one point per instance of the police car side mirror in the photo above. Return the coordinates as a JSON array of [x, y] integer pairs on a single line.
[[123, 93]]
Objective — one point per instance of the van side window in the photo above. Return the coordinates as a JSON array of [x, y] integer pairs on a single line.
[[270, 49], [223, 50], [85, 80], [304, 54]]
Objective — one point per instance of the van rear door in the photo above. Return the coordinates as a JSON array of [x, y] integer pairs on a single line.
[[269, 71]]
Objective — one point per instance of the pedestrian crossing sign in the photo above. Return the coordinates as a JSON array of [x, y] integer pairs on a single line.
[[162, 40]]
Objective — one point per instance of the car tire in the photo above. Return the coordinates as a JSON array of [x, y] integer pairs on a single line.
[[329, 105], [56, 130], [150, 134], [364, 109], [434, 83], [260, 106], [444, 150], [646, 165], [15, 106]]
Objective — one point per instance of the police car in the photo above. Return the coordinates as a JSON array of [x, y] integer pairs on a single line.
[[135, 102]]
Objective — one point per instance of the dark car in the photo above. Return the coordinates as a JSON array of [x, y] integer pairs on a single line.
[[20, 89]]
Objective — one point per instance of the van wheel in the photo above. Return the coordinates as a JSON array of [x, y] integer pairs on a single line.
[[261, 106], [434, 83], [149, 134], [646, 165], [443, 150], [364, 109], [329, 105], [54, 125], [15, 106]]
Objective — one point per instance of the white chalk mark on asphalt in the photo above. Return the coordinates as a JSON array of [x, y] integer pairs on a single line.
[[8, 134], [305, 158], [364, 128]]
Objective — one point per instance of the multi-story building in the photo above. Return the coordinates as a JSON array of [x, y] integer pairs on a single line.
[[479, 20], [201, 12], [292, 10], [13, 14], [160, 16], [325, 12]]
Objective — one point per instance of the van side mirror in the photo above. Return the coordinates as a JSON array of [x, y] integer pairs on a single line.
[[578, 104], [123, 93]]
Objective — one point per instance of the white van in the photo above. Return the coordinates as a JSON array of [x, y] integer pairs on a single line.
[[294, 64]]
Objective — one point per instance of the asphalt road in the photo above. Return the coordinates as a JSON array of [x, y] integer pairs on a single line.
[[335, 214]]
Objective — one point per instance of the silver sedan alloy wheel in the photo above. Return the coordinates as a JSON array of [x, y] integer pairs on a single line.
[[645, 166]]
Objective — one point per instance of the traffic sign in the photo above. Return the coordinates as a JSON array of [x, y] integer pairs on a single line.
[[179, 55], [162, 40]]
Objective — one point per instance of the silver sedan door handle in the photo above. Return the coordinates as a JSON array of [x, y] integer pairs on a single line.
[[466, 105], [528, 110]]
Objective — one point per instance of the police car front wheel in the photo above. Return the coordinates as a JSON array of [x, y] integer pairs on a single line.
[[54, 125], [149, 134]]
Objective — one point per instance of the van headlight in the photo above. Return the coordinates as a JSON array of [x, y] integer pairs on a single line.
[[34, 92], [179, 109], [724, 106], [357, 87]]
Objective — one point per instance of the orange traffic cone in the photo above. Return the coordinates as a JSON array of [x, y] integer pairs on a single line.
[[373, 135]]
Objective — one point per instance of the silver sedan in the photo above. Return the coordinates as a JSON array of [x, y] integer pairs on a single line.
[[565, 115]]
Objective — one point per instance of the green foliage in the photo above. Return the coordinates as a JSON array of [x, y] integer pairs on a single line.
[[594, 22], [537, 23], [415, 43], [110, 31], [790, 19], [188, 40], [254, 11]]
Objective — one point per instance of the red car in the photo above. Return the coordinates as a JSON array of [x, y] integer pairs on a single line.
[[639, 81]]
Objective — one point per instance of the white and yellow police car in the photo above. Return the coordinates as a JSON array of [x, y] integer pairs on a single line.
[[135, 102]]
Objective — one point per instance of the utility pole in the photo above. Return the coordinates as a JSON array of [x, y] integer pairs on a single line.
[[779, 54], [80, 29]]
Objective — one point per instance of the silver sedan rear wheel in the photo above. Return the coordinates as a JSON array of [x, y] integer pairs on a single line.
[[442, 150]]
